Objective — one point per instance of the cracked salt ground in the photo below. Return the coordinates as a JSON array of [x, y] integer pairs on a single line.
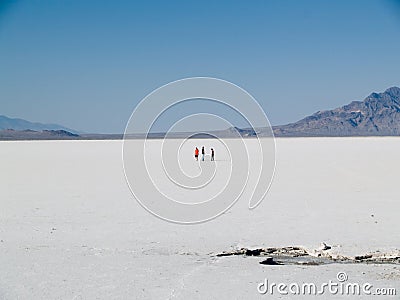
[[120, 251]]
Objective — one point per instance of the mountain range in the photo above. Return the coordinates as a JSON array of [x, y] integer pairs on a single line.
[[21, 124], [376, 115]]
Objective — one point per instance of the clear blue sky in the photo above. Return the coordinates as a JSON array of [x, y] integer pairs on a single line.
[[86, 64]]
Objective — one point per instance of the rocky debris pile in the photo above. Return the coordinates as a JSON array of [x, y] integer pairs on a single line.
[[284, 251], [293, 255]]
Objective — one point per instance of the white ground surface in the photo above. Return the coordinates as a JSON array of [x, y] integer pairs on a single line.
[[70, 228]]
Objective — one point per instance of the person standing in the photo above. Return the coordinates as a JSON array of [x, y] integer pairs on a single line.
[[212, 154], [196, 153], [203, 152]]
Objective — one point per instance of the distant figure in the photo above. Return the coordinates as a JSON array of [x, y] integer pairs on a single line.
[[212, 154], [196, 153], [202, 153]]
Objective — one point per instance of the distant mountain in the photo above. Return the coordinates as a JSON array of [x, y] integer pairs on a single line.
[[15, 135], [20, 124], [377, 115]]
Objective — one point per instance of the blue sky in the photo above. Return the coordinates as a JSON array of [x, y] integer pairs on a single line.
[[86, 64]]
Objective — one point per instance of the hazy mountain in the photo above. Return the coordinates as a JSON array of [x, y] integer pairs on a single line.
[[15, 135], [20, 124], [377, 115]]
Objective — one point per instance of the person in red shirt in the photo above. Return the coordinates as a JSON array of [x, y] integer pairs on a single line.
[[196, 153]]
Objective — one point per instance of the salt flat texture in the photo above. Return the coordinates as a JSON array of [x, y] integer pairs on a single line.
[[70, 228]]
